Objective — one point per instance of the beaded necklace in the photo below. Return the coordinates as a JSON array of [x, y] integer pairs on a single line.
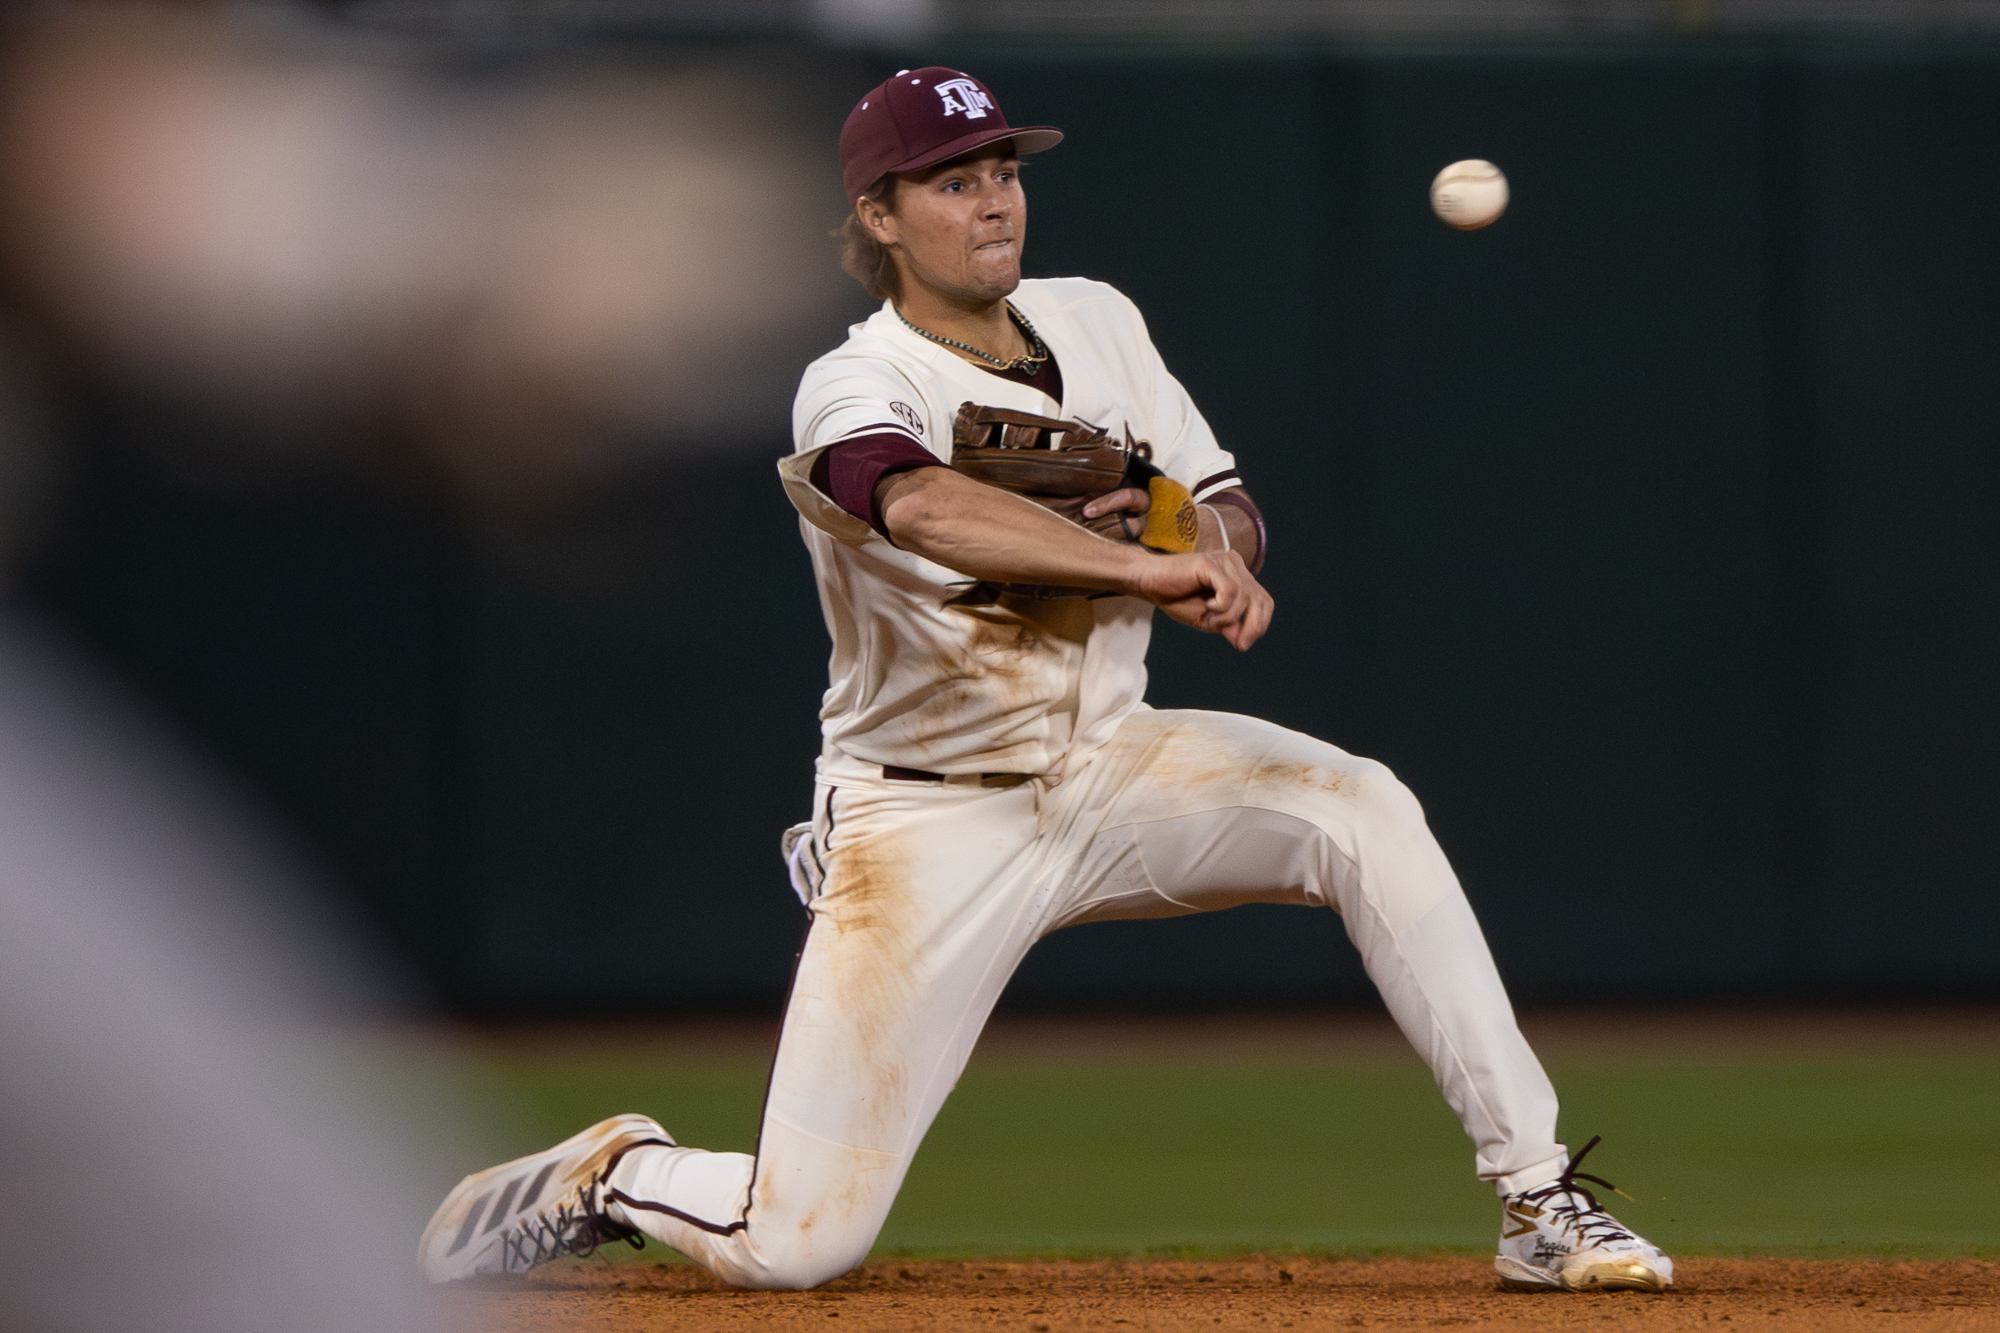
[[1028, 363]]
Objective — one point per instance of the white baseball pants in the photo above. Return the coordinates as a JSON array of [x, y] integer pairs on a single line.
[[933, 894]]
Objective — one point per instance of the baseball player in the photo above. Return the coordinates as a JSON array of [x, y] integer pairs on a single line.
[[999, 483]]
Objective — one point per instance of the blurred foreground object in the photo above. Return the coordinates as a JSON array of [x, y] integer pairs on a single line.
[[505, 293], [180, 1074]]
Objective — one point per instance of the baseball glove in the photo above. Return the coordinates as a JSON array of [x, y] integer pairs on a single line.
[[1063, 466]]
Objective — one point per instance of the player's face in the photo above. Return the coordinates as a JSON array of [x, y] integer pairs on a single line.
[[958, 227]]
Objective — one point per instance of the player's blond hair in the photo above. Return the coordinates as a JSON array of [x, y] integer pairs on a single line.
[[862, 257]]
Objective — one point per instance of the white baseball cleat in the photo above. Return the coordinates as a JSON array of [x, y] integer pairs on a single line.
[[512, 1217], [1556, 1237]]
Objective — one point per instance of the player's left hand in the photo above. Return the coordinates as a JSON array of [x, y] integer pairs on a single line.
[[1130, 503]]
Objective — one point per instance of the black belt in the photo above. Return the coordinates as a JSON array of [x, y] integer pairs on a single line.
[[896, 773]]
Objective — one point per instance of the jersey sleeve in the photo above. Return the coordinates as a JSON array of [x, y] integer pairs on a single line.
[[846, 397]]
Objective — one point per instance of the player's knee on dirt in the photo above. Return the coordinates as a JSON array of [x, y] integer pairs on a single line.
[[795, 1261]]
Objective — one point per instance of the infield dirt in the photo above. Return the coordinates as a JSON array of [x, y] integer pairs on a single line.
[[1255, 1293]]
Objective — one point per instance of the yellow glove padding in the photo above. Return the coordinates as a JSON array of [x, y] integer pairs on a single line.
[[1171, 524]]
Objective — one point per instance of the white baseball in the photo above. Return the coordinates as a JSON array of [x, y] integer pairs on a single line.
[[1469, 195]]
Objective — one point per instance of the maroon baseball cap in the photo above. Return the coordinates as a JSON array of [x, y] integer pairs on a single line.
[[921, 117]]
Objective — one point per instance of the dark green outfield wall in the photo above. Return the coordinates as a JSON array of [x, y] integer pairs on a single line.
[[1650, 535]]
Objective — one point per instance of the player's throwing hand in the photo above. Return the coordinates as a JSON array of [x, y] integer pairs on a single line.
[[1212, 591]]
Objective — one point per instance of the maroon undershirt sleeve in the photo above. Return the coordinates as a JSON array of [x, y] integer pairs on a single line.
[[847, 473]]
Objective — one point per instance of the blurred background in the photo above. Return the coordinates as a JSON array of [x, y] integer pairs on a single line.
[[390, 390]]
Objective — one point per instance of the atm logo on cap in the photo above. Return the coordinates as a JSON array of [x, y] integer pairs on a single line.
[[966, 96]]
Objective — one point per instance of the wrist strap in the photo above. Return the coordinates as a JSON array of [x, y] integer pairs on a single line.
[[1220, 526]]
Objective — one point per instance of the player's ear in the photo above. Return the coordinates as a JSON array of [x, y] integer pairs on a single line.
[[875, 210], [876, 220]]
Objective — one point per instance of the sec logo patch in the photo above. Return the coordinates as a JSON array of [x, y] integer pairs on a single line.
[[909, 416]]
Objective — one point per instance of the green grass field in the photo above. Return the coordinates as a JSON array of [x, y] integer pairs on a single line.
[[1866, 1155]]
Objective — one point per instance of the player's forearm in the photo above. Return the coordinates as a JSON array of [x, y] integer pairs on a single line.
[[986, 533]]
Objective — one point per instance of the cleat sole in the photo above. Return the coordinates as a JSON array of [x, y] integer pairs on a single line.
[[1517, 1276], [1614, 1277]]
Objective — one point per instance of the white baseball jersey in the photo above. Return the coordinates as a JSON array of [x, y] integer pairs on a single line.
[[916, 683]]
